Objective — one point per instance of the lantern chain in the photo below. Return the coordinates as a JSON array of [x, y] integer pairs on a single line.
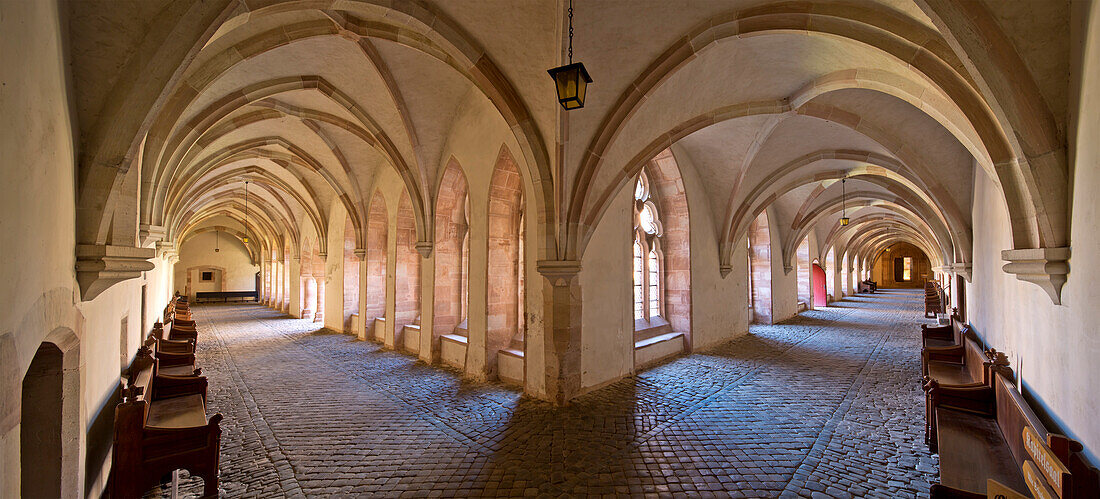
[[570, 31], [843, 199]]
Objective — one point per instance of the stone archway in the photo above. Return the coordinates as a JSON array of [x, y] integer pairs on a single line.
[[49, 419]]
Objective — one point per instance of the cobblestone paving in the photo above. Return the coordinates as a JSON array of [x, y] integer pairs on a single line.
[[826, 405]]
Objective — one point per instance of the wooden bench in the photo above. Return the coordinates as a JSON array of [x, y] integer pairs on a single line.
[[183, 330], [172, 363], [161, 426], [945, 336], [956, 365], [167, 345], [934, 299], [225, 296], [1004, 446], [867, 287], [977, 373]]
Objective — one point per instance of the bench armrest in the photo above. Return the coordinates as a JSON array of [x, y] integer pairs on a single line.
[[175, 386]]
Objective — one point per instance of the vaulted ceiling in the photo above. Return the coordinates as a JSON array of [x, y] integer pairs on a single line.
[[771, 102]]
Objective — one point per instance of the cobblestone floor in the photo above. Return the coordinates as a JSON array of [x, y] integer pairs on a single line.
[[826, 405]]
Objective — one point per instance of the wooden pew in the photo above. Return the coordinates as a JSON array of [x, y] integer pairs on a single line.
[[172, 363], [161, 426], [183, 330], [934, 299], [167, 345], [1007, 446], [963, 364], [945, 336], [969, 384]]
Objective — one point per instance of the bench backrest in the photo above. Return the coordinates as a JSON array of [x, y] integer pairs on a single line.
[[1013, 414], [974, 358], [960, 329]]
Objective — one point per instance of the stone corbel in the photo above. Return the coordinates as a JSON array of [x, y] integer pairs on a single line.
[[100, 266], [424, 248], [166, 249], [725, 269], [1046, 267], [559, 272], [787, 269], [964, 270], [151, 234], [361, 254]]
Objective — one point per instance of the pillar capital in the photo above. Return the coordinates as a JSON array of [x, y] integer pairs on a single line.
[[361, 254], [1046, 267], [559, 272]]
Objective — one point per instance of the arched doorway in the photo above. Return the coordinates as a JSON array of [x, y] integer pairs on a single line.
[[49, 449], [802, 275], [40, 433], [818, 285]]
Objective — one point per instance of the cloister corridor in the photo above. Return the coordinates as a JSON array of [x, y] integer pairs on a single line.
[[829, 402]]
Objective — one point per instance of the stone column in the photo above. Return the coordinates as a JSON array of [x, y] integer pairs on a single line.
[[427, 300], [562, 347], [361, 334], [294, 278], [319, 314]]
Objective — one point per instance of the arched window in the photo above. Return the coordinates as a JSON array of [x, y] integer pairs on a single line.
[[648, 276], [639, 272]]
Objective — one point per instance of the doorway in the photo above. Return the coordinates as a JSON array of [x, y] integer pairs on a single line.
[[40, 424], [819, 286]]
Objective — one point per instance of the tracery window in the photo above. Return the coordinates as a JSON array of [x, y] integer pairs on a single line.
[[648, 259]]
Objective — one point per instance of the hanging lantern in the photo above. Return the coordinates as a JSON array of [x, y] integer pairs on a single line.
[[843, 204], [245, 238], [572, 79], [217, 240]]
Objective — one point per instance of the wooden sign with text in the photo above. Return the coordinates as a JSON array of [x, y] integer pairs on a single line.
[[1047, 463], [998, 490], [1036, 483]]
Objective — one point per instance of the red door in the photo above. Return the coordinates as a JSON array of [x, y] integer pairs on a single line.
[[818, 283]]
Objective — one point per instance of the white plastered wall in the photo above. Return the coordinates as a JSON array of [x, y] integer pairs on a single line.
[[40, 294], [198, 251], [1053, 348]]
